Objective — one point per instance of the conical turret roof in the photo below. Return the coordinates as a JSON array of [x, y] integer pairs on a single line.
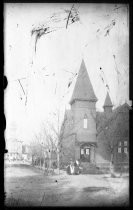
[[108, 101], [83, 89]]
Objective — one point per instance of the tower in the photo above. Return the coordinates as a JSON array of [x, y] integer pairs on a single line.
[[107, 105], [84, 112]]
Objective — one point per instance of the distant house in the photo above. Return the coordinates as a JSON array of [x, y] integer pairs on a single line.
[[14, 147], [88, 135], [26, 152]]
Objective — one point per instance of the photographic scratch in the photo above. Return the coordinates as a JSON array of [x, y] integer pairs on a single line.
[[69, 84], [102, 75], [57, 20], [26, 101], [40, 32], [107, 32], [116, 68], [55, 88], [107, 86], [118, 8], [111, 24], [21, 86], [73, 16], [109, 27], [69, 72]]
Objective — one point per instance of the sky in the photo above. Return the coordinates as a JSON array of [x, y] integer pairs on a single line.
[[41, 82]]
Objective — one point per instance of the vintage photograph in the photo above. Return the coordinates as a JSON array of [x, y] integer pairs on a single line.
[[66, 104]]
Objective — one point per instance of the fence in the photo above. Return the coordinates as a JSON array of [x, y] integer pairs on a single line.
[[46, 165]]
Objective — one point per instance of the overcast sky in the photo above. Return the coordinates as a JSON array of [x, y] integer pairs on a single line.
[[100, 37]]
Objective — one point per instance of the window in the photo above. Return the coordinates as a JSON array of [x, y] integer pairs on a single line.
[[82, 151], [125, 143], [125, 150], [125, 147], [87, 151], [119, 149], [85, 123]]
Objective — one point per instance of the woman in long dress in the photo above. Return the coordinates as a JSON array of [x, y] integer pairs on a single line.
[[70, 168]]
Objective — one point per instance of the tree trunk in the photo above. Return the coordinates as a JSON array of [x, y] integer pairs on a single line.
[[32, 160], [40, 163], [50, 161], [112, 166], [44, 164], [58, 161]]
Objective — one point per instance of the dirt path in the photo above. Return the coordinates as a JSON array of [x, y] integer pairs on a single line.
[[29, 186]]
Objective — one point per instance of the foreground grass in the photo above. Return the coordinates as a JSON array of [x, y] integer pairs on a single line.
[[12, 202]]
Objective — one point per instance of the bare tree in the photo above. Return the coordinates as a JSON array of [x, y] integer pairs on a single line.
[[44, 145], [55, 135], [35, 151], [58, 132], [110, 146]]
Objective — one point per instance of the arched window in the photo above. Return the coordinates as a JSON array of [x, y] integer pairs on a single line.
[[85, 121]]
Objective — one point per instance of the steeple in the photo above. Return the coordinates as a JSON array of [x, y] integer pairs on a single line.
[[107, 104], [83, 89]]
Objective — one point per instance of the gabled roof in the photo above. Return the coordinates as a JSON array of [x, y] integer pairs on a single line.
[[123, 108], [83, 89], [102, 121], [108, 101]]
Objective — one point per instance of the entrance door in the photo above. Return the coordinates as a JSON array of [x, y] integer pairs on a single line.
[[85, 154]]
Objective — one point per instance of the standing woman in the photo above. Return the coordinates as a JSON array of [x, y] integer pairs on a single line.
[[70, 168], [76, 166]]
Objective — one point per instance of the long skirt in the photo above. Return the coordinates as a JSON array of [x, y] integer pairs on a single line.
[[69, 170]]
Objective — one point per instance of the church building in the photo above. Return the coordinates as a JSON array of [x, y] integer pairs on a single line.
[[87, 135]]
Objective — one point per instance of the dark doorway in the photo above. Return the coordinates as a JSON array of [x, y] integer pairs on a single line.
[[85, 154]]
